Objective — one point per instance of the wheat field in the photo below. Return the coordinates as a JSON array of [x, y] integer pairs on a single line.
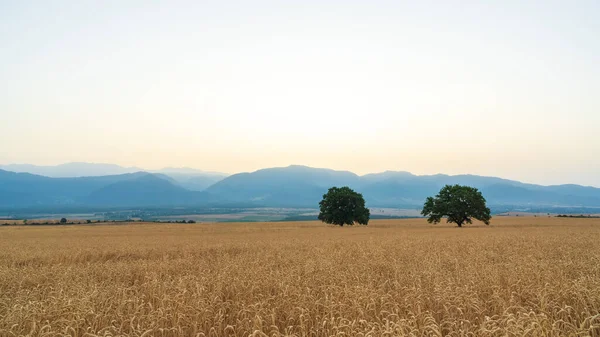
[[518, 276]]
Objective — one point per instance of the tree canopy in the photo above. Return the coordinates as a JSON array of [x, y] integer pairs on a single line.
[[460, 204], [343, 206]]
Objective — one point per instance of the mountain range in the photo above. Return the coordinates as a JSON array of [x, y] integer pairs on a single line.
[[292, 186], [189, 178]]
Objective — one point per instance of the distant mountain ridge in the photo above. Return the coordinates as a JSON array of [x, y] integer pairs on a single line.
[[71, 170], [303, 186], [125, 190], [188, 178], [145, 190], [292, 186]]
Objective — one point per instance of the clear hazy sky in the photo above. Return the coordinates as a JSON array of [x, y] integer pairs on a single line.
[[504, 88]]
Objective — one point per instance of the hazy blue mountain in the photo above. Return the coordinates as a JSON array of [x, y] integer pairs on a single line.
[[292, 186], [37, 190], [192, 179], [304, 186], [398, 193], [387, 175], [146, 190], [502, 194], [196, 183], [466, 179], [71, 169], [570, 189], [132, 189], [189, 178], [165, 177], [188, 171]]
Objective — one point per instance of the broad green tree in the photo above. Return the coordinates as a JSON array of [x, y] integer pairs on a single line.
[[460, 204], [342, 206]]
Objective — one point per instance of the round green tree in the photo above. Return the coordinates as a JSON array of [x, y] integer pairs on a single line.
[[342, 206], [460, 204]]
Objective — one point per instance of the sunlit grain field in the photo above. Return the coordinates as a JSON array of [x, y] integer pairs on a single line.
[[519, 276]]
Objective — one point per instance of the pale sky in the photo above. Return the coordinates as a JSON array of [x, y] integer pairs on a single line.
[[502, 88]]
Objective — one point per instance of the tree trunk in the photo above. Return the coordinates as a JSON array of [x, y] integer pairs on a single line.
[[459, 224]]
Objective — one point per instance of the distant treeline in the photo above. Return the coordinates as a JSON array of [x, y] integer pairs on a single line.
[[314, 217], [118, 214], [580, 216], [25, 222]]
